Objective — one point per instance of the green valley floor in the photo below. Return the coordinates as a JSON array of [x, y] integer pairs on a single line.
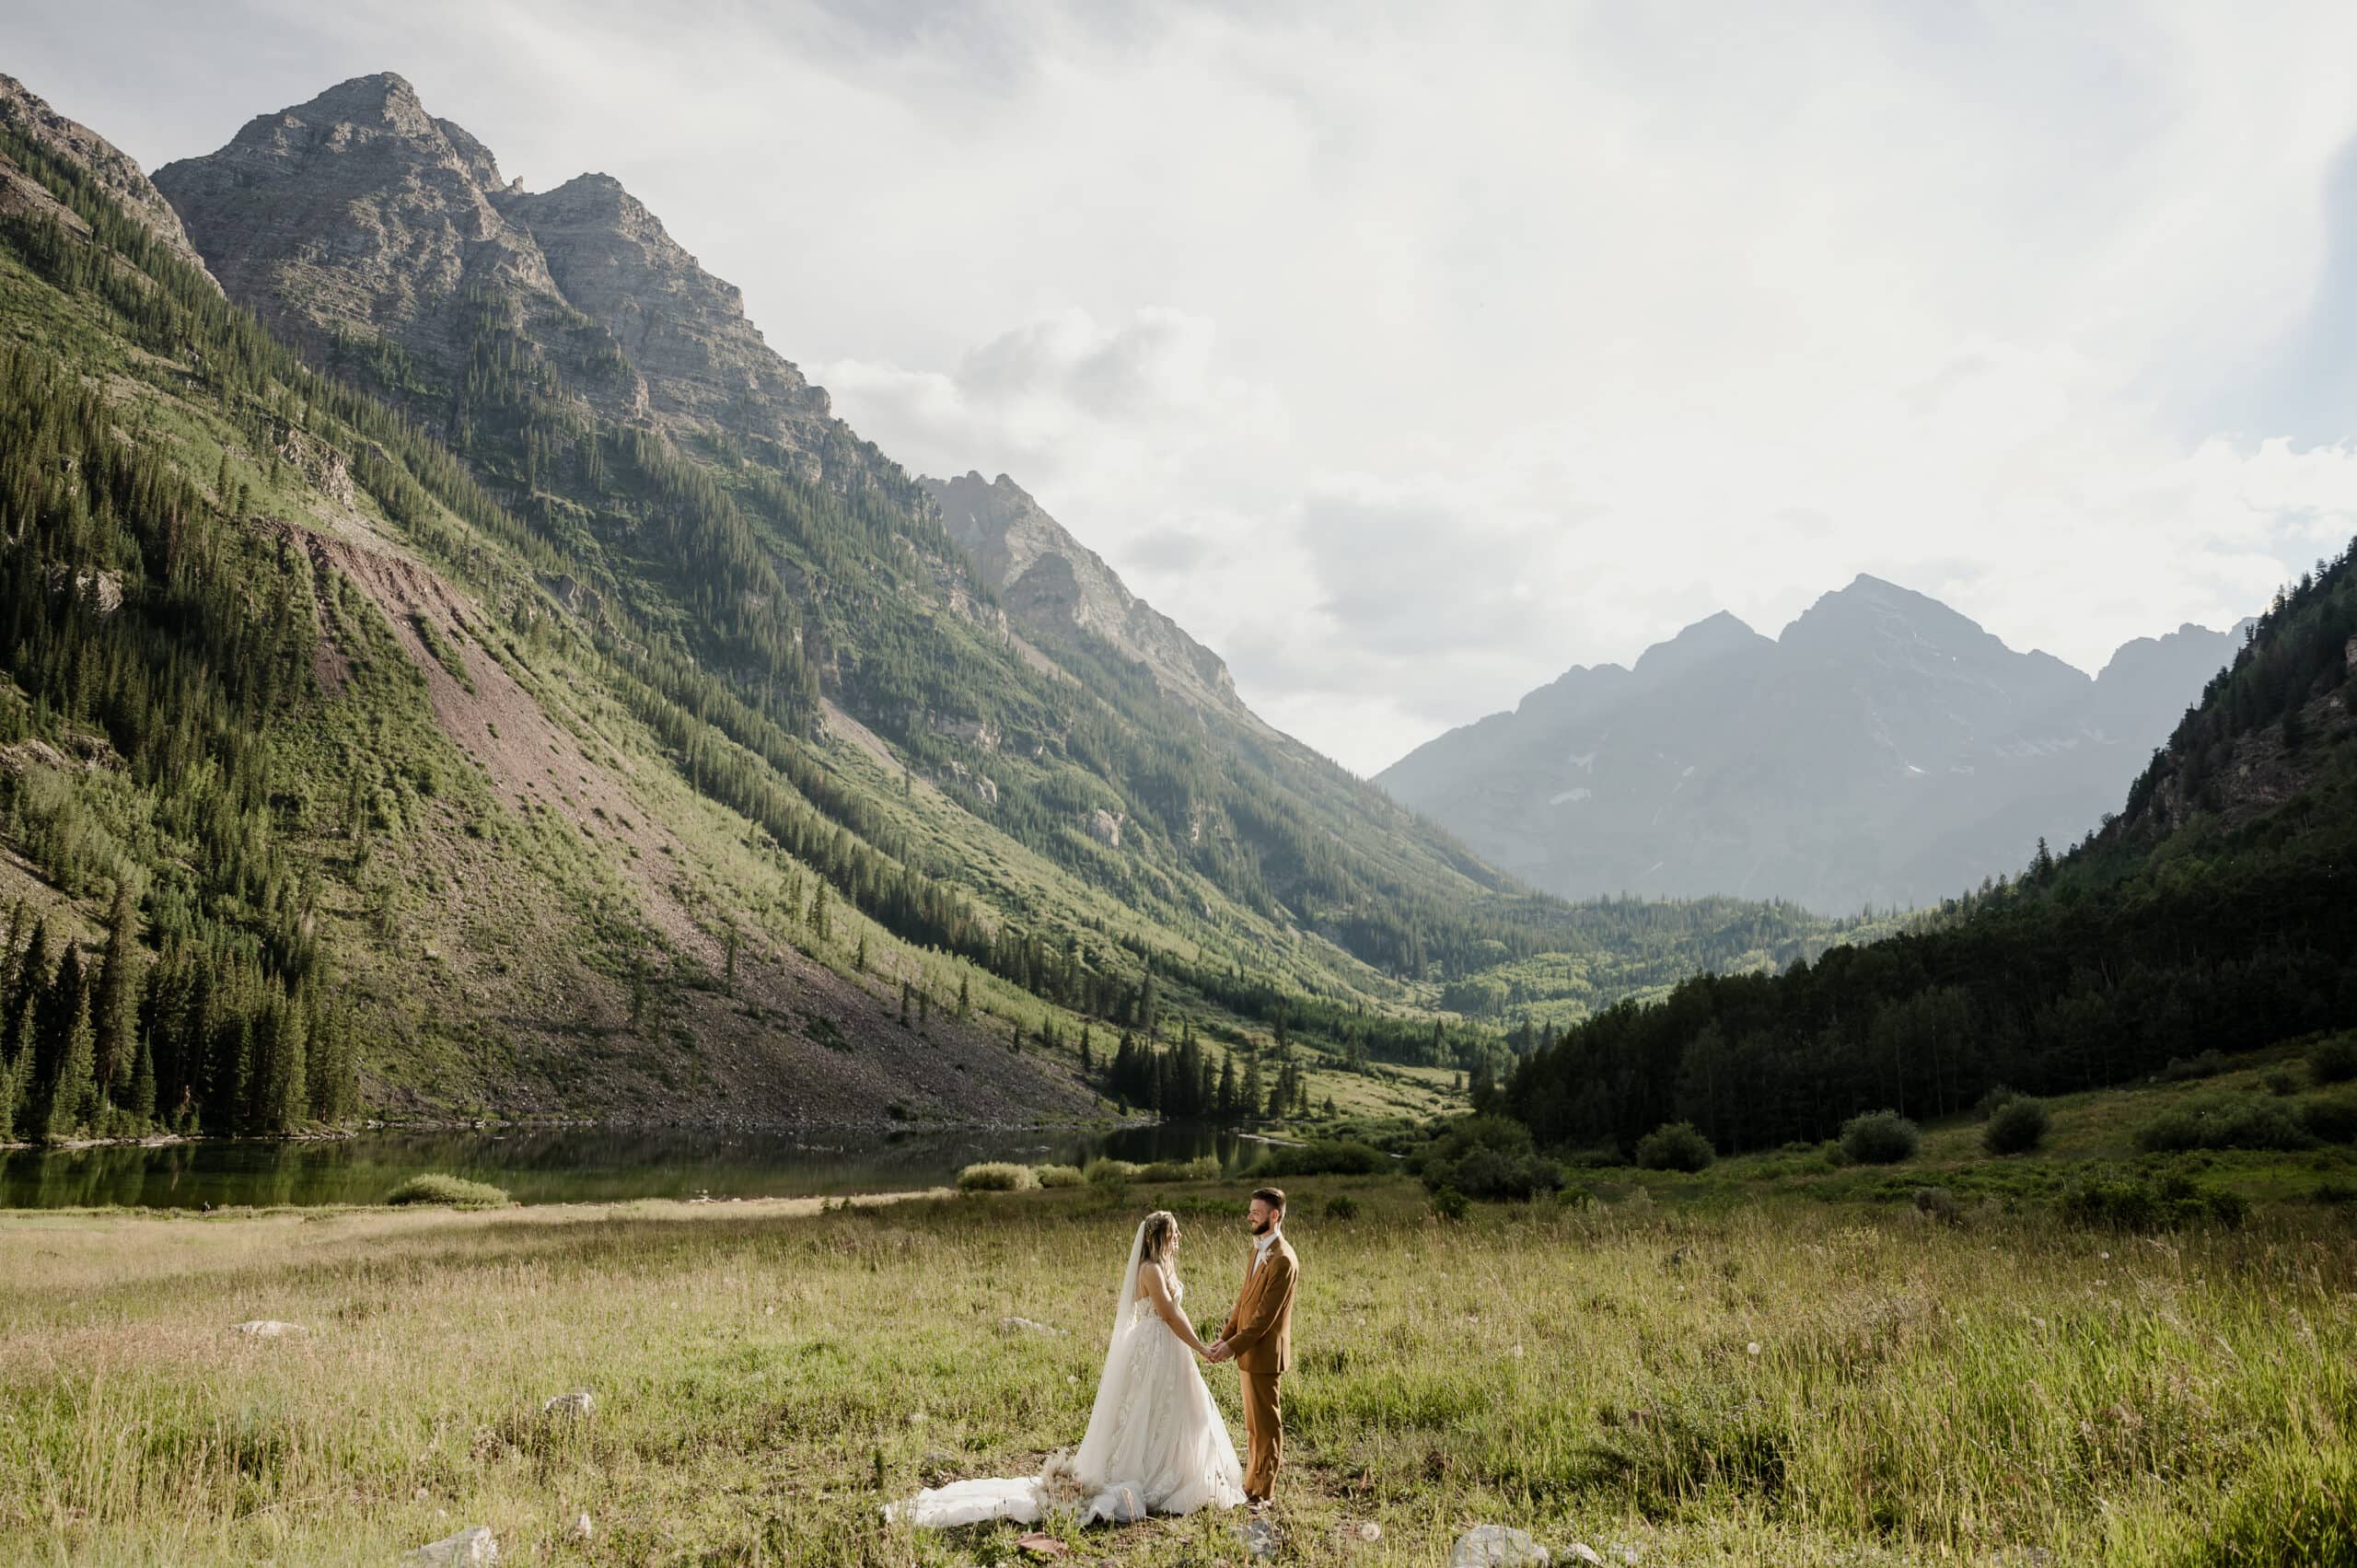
[[1740, 1380]]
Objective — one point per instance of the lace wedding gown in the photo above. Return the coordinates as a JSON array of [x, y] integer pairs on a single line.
[[1155, 1440]]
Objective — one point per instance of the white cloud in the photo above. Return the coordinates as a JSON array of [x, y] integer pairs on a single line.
[[1408, 356]]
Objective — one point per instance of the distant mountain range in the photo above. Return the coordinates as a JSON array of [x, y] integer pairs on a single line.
[[1883, 751]]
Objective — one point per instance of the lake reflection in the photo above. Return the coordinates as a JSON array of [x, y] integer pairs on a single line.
[[567, 1164]]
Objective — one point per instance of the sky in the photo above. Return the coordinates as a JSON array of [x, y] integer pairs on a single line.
[[1409, 354]]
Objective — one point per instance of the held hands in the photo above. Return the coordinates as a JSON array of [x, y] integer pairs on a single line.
[[1218, 1351]]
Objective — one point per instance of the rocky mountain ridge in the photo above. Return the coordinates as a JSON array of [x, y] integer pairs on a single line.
[[1060, 588], [28, 115], [1883, 750]]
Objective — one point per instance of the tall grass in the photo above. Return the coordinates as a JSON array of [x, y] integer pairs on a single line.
[[1791, 1382]]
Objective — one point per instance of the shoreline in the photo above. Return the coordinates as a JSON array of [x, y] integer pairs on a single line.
[[555, 1124]]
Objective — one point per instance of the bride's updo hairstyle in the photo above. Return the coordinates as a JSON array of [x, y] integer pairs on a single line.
[[1161, 1229]]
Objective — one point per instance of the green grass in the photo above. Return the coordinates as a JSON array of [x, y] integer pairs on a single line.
[[451, 1192], [766, 1375]]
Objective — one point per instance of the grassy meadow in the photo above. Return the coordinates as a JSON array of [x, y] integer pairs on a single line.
[[1701, 1373]]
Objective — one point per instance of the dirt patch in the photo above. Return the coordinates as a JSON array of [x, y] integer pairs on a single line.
[[795, 1041]]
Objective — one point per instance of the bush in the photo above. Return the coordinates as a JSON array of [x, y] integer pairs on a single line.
[[456, 1192], [1341, 1207], [1487, 1156], [1111, 1173], [2281, 1082], [2017, 1126], [1880, 1137], [2334, 1061], [1324, 1156], [1056, 1175], [1676, 1146], [996, 1177], [2330, 1119], [2186, 1069], [2223, 1122], [1996, 1099], [1939, 1203], [1204, 1168], [1449, 1203], [2125, 1202], [2332, 1189]]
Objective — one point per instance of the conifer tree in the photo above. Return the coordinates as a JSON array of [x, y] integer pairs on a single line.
[[141, 1103], [73, 1092], [111, 1014]]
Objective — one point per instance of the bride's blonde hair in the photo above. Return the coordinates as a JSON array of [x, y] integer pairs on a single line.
[[1161, 1229]]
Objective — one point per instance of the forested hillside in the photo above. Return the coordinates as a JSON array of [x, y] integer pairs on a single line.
[[494, 718], [2214, 913]]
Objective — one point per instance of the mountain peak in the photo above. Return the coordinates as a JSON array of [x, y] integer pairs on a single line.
[[1712, 638], [381, 95]]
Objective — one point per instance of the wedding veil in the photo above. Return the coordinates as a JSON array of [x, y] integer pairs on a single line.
[[1090, 1460]]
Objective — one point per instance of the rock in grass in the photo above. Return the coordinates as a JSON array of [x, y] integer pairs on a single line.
[[1027, 1326], [1260, 1536], [453, 1192], [475, 1544], [1584, 1553], [1495, 1545], [581, 1401], [582, 1529], [270, 1328]]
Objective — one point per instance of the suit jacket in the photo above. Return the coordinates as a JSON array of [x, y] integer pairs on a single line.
[[1259, 1326]]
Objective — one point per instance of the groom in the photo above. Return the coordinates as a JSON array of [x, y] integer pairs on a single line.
[[1259, 1338]]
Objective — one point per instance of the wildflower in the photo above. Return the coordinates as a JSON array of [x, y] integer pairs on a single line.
[[1370, 1531], [1751, 1349]]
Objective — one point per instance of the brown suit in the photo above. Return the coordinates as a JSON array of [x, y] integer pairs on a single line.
[[1259, 1330]]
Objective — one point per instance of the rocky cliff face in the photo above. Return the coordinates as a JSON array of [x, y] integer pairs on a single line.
[[1883, 750], [357, 213], [360, 215], [1058, 587], [684, 330], [25, 113]]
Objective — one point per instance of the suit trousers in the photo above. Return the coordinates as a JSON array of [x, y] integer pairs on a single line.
[[1264, 1433]]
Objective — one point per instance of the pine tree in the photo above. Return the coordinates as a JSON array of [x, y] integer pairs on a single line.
[[1251, 1096], [728, 969], [860, 963], [141, 1103], [111, 1009], [73, 1093], [965, 998], [1224, 1097], [1085, 1064]]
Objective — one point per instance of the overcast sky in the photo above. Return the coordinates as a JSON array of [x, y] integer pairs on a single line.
[[1410, 354]]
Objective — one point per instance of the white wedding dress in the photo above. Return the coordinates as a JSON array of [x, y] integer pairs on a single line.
[[1155, 1442]]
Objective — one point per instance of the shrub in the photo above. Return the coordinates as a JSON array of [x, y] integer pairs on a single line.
[[2223, 1122], [2281, 1082], [456, 1192], [1341, 1207], [1939, 1203], [1676, 1146], [1449, 1203], [2332, 1189], [2126, 1202], [1487, 1156], [1204, 1168], [1056, 1175], [2017, 1126], [2186, 1069], [2334, 1061], [1324, 1156], [996, 1177], [2330, 1119], [1880, 1137], [1996, 1099], [1111, 1173]]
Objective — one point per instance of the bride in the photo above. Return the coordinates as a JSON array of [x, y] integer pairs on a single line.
[[1155, 1443]]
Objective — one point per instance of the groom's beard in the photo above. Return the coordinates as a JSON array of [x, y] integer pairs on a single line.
[[1263, 1228]]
